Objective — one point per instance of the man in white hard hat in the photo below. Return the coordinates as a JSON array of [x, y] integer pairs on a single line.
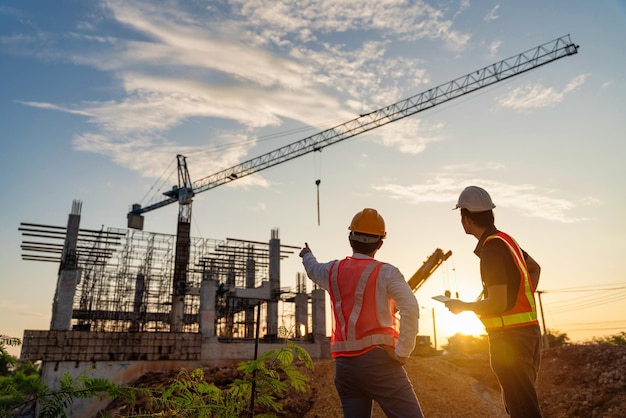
[[507, 307], [368, 347]]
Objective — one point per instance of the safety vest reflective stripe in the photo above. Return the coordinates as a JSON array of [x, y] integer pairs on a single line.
[[336, 299], [524, 312], [507, 321]]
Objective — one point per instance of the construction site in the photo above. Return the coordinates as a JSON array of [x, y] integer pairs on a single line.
[[118, 312], [128, 301]]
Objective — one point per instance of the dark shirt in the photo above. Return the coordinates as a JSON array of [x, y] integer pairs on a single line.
[[497, 266]]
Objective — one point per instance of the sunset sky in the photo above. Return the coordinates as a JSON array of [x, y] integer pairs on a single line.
[[99, 97]]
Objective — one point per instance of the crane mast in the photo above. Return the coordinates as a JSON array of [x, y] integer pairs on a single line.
[[184, 192]]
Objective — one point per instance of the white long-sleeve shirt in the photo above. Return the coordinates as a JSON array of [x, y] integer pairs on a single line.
[[390, 285]]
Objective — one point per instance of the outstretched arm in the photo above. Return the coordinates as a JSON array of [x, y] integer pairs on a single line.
[[318, 272]]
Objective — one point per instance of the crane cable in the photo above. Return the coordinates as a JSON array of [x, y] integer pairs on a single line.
[[159, 182], [318, 171]]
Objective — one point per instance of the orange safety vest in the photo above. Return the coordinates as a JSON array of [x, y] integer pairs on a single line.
[[356, 326], [524, 311]]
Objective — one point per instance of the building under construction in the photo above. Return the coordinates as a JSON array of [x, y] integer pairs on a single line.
[[114, 302]]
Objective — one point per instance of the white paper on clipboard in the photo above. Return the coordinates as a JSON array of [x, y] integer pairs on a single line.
[[442, 298]]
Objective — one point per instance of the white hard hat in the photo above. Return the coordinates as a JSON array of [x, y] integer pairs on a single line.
[[475, 199]]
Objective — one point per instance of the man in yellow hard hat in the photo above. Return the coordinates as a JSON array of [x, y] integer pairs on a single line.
[[507, 308], [368, 344]]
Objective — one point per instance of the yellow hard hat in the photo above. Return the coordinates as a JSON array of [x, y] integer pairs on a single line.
[[368, 221]]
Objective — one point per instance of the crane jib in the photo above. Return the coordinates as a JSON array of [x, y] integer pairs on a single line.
[[491, 74]]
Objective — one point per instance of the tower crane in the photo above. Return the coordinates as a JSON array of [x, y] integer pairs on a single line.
[[186, 189]]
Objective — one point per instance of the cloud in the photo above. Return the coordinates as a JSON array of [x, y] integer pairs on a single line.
[[51, 106], [492, 14], [528, 199], [402, 19], [532, 96], [257, 207], [245, 65], [473, 167], [493, 48], [410, 136], [10, 308], [437, 190]]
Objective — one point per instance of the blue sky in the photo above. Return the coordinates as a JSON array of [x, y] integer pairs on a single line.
[[99, 97]]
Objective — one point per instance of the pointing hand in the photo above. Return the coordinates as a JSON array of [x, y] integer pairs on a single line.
[[305, 250]]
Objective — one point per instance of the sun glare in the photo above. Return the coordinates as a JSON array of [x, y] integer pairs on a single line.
[[467, 323]]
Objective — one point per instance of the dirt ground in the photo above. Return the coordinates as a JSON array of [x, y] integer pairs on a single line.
[[574, 381]]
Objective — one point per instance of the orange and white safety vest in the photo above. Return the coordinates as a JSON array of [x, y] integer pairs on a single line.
[[524, 311], [356, 326]]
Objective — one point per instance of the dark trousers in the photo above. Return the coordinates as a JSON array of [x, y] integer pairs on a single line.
[[374, 376], [515, 358]]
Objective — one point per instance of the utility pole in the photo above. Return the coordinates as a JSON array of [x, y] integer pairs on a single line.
[[546, 342], [434, 329]]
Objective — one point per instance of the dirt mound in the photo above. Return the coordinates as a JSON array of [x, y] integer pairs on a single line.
[[574, 381], [583, 381]]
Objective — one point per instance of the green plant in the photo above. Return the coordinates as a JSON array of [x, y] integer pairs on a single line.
[[20, 391], [557, 338], [616, 339], [6, 340], [264, 381], [7, 361], [264, 374], [190, 395], [53, 403]]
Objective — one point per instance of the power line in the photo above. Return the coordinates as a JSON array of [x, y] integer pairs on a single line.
[[621, 321], [595, 329], [589, 304], [589, 287], [598, 297]]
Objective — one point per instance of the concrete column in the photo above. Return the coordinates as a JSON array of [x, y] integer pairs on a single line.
[[274, 273], [181, 264], [208, 289], [250, 282], [139, 308], [318, 302], [64, 300], [302, 314], [69, 274]]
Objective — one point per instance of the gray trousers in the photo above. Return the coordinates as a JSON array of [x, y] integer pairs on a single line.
[[515, 357], [374, 376]]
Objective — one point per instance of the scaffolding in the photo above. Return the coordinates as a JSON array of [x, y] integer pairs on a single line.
[[126, 278]]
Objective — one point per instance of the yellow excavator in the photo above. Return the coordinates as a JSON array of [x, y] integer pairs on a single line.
[[430, 265], [422, 342]]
